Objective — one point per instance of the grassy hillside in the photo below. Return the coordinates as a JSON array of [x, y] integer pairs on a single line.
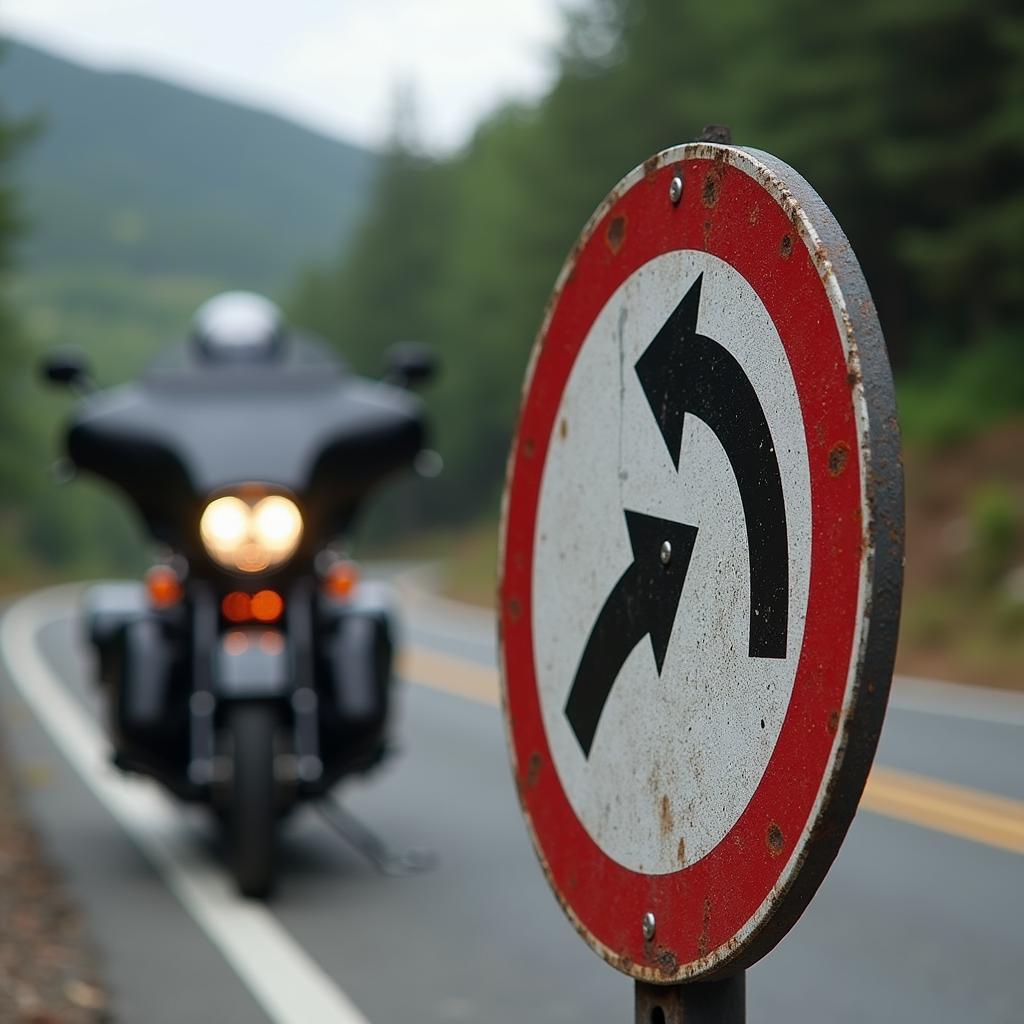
[[148, 178]]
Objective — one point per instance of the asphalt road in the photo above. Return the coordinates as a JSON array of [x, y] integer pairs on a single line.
[[915, 922]]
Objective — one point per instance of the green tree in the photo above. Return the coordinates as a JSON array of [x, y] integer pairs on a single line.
[[17, 478], [381, 289], [908, 117], [385, 287]]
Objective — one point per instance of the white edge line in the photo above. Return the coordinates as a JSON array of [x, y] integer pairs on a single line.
[[287, 983]]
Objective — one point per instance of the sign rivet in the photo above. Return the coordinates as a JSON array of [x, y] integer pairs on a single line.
[[666, 552], [648, 925], [675, 189]]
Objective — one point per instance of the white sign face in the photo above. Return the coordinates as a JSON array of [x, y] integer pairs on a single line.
[[701, 731]]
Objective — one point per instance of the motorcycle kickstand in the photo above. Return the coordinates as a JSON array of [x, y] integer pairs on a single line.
[[390, 862]]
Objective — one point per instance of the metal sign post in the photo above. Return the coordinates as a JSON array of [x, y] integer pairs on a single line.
[[701, 1002], [701, 567]]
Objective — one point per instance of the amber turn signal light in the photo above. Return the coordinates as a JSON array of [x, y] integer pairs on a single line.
[[341, 579], [163, 586]]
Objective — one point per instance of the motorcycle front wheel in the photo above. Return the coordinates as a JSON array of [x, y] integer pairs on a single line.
[[251, 819]]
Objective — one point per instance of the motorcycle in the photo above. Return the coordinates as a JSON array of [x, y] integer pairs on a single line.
[[253, 670]]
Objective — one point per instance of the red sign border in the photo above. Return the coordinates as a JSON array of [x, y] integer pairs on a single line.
[[728, 908]]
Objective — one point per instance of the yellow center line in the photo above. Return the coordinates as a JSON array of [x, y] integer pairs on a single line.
[[946, 807], [456, 676], [941, 806]]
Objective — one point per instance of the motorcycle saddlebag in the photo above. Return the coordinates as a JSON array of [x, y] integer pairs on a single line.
[[357, 647], [134, 657]]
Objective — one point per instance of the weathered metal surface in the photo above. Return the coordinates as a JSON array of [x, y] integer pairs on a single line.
[[691, 734]]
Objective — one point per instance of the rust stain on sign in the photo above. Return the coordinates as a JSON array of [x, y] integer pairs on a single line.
[[652, 165], [713, 182], [838, 457], [704, 940], [616, 234], [667, 820], [709, 197]]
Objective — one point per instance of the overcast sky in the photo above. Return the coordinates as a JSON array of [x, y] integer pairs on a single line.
[[333, 64]]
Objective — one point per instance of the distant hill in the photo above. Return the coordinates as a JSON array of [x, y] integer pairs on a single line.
[[135, 175]]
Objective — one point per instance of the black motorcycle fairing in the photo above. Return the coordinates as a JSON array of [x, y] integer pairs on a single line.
[[307, 427]]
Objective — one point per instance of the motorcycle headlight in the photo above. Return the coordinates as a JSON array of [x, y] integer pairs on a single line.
[[251, 536]]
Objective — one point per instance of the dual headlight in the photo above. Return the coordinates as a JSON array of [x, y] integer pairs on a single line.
[[251, 536]]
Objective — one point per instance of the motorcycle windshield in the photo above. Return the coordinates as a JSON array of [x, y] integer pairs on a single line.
[[184, 433]]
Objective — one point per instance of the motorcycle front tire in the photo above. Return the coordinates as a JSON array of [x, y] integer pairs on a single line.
[[251, 818]]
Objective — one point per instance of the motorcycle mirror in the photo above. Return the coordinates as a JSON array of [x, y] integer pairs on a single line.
[[410, 364], [67, 367]]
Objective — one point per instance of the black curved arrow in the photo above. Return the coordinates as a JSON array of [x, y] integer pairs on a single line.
[[683, 372], [644, 601]]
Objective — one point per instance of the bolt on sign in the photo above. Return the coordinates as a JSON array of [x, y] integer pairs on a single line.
[[701, 563]]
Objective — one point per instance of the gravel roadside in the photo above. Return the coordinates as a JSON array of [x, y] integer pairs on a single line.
[[48, 967]]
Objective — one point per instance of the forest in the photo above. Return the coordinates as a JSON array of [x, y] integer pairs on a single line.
[[907, 117]]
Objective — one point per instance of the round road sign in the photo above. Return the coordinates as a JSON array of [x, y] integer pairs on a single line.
[[701, 563]]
